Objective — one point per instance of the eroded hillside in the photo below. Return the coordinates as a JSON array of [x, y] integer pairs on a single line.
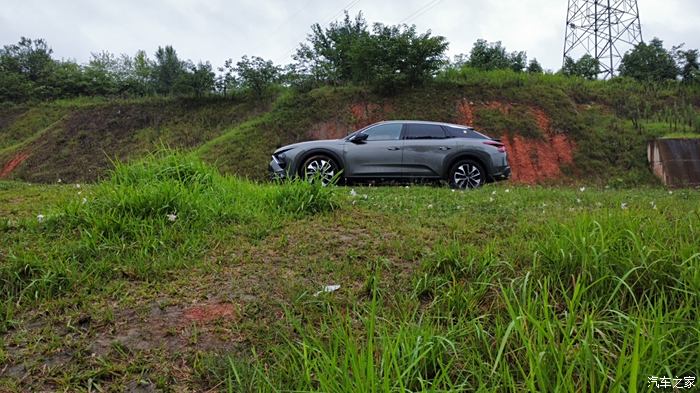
[[553, 131]]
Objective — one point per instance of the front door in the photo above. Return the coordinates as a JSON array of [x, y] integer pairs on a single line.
[[379, 155]]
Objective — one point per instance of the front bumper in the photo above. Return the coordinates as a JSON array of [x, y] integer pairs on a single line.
[[277, 172]]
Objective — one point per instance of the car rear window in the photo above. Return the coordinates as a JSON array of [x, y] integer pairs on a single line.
[[424, 131], [458, 132]]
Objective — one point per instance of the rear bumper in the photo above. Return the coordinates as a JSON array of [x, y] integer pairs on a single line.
[[501, 173]]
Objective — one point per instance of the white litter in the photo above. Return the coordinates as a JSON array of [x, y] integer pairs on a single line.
[[328, 289]]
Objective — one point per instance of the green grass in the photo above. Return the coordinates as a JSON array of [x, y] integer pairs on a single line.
[[149, 217], [681, 135], [503, 288]]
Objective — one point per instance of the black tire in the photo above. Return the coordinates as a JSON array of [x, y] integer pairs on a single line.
[[466, 174], [319, 166]]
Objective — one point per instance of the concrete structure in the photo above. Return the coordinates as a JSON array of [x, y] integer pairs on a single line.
[[675, 161]]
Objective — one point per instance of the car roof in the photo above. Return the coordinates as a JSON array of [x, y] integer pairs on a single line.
[[424, 122]]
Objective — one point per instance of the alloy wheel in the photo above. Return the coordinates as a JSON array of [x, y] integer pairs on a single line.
[[467, 176], [320, 168]]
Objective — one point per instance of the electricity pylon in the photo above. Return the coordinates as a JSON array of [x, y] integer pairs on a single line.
[[604, 29]]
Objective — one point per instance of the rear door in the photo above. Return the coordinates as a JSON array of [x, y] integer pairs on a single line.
[[424, 150], [379, 155]]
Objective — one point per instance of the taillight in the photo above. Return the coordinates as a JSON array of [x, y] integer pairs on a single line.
[[500, 146]]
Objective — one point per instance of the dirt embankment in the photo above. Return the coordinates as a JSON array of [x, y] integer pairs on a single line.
[[532, 160], [13, 163]]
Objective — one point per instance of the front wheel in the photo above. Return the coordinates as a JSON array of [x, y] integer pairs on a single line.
[[319, 167], [466, 174]]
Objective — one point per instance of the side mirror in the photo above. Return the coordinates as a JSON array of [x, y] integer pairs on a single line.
[[359, 137]]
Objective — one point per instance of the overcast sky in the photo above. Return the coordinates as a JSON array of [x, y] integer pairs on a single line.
[[215, 30]]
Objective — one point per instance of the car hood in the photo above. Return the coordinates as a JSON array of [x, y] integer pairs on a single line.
[[310, 144]]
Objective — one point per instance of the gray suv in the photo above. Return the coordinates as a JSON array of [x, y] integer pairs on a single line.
[[398, 150]]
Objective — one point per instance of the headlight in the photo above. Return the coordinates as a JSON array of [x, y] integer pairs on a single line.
[[280, 159]]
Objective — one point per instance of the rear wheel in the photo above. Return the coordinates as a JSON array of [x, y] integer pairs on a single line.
[[466, 174], [319, 167]]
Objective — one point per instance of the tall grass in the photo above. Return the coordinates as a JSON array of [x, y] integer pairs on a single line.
[[604, 301], [147, 218]]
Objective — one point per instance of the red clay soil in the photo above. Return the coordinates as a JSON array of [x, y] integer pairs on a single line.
[[543, 121], [531, 160], [465, 112], [13, 163], [328, 130], [366, 113], [536, 160], [361, 114], [210, 312], [501, 106]]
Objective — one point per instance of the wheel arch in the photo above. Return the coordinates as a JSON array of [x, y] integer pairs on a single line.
[[303, 157], [480, 159]]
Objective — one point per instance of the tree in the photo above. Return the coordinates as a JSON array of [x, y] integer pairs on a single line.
[[202, 78], [534, 67], [25, 69], [167, 69], [586, 67], [257, 74], [386, 57], [67, 79], [30, 58], [103, 73], [140, 79], [493, 56], [226, 80], [328, 55], [687, 61], [397, 56], [649, 62]]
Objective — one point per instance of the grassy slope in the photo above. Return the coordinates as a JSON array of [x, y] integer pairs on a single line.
[[523, 288], [609, 122], [76, 140]]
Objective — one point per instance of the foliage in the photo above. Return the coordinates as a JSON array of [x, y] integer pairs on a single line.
[[586, 67], [688, 64], [387, 57], [649, 62], [256, 74], [28, 73], [534, 67], [493, 56]]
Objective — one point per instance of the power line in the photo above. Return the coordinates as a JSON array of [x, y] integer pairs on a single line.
[[347, 7], [425, 8], [287, 20]]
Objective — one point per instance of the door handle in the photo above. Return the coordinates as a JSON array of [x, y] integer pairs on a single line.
[[392, 148], [444, 148]]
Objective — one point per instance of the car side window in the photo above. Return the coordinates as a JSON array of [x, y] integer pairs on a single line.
[[384, 132], [424, 131]]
